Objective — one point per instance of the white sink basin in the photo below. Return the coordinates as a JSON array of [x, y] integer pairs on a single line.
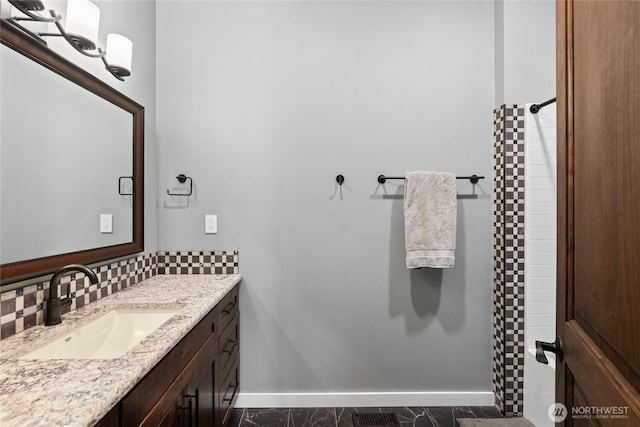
[[107, 337]]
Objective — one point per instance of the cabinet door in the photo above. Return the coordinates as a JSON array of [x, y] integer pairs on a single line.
[[178, 415], [228, 393], [194, 406], [201, 390]]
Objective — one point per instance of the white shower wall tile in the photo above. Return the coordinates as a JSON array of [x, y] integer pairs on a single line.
[[542, 133], [541, 307], [540, 208], [546, 320], [541, 159], [540, 258], [543, 245], [543, 221], [539, 276], [538, 183], [538, 195], [540, 295], [540, 170]]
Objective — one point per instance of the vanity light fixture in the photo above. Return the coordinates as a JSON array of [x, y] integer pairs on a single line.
[[82, 22], [83, 19], [117, 59]]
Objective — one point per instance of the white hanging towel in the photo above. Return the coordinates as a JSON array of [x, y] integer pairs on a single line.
[[430, 213]]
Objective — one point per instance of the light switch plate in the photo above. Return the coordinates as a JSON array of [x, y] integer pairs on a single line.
[[211, 224], [106, 223]]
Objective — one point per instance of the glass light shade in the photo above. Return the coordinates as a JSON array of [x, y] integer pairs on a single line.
[[119, 51], [83, 19]]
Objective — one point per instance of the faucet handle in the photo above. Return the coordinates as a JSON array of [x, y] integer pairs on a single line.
[[65, 305], [68, 291]]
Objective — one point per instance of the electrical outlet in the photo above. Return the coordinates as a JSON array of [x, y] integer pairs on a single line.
[[106, 223], [211, 224]]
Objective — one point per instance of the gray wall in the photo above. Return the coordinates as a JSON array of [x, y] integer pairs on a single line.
[[525, 51], [263, 103]]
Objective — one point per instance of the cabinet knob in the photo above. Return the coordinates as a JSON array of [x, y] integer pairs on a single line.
[[235, 389], [233, 346], [229, 307]]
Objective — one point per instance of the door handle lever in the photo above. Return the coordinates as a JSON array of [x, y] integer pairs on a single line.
[[554, 347]]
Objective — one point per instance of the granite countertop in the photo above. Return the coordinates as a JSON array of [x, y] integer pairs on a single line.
[[81, 392]]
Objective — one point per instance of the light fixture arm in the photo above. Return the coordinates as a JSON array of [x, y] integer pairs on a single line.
[[32, 16], [75, 41], [110, 68]]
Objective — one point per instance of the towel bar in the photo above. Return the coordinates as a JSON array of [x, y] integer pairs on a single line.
[[473, 178]]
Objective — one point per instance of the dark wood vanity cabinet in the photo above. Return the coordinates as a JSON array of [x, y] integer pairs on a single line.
[[229, 355], [196, 383], [112, 419]]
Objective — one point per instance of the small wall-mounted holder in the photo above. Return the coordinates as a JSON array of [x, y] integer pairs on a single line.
[[340, 179], [120, 185], [182, 178]]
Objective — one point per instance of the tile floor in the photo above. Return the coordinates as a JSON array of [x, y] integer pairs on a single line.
[[432, 416]]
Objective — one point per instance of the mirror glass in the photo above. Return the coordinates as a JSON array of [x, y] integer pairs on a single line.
[[71, 163], [63, 150]]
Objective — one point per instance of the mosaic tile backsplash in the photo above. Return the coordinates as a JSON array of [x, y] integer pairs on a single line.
[[218, 262], [23, 308], [508, 259]]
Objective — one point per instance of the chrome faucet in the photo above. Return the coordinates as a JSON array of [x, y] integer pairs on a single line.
[[53, 302]]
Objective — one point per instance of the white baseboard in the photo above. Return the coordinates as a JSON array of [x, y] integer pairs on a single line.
[[364, 399]]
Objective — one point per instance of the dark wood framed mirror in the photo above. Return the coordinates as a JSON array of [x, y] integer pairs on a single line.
[[34, 50]]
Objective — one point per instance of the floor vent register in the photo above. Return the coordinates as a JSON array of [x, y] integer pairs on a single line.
[[375, 419]]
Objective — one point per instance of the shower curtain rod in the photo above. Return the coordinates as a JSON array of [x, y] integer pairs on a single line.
[[537, 107]]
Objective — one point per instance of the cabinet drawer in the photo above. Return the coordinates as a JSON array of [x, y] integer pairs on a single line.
[[229, 393], [229, 346], [228, 307]]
